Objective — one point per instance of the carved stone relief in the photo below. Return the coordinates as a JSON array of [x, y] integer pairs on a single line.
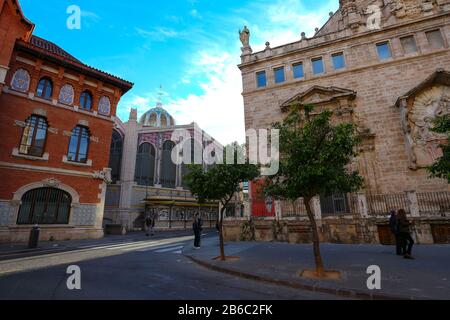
[[104, 175], [410, 8], [428, 105], [51, 182]]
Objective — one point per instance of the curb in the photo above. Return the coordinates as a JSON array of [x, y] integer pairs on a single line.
[[341, 292]]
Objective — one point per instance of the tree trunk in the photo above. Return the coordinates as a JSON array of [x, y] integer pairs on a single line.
[[316, 241], [222, 249]]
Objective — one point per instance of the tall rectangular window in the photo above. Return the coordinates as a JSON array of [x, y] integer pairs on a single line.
[[279, 75], [34, 136], [78, 145], [409, 44], [317, 65], [298, 70], [435, 39], [261, 79], [338, 60], [384, 50]]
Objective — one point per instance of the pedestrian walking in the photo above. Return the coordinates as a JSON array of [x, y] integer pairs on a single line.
[[197, 226], [149, 225], [393, 226], [403, 226]]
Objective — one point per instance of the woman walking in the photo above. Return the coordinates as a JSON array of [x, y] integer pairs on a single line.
[[404, 233], [197, 226]]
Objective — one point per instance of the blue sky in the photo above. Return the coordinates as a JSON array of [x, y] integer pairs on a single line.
[[190, 47]]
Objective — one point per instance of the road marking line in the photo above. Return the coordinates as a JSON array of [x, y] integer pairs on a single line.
[[167, 242], [159, 247], [147, 246], [121, 245], [169, 249], [104, 244], [138, 244], [71, 252]]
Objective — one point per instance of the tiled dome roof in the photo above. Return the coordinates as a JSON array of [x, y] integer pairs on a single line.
[[157, 117]]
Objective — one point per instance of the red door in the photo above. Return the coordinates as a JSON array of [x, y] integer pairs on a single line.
[[262, 206]]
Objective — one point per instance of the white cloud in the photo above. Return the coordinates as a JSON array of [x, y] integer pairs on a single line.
[[219, 110], [284, 21], [212, 67], [157, 34], [91, 15], [194, 13]]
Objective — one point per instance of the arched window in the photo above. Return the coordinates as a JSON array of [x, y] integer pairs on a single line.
[[45, 88], [45, 206], [86, 100], [153, 120], [163, 120], [66, 94], [168, 168], [34, 136], [115, 158], [185, 167], [145, 165], [79, 145], [21, 80], [104, 106]]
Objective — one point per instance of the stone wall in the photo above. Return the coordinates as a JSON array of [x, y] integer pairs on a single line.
[[332, 230]]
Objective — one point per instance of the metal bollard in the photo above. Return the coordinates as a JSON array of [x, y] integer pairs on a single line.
[[34, 237]]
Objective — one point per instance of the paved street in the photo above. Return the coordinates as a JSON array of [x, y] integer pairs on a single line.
[[132, 267]]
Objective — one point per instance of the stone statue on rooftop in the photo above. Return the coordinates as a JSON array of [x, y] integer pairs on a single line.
[[244, 36]]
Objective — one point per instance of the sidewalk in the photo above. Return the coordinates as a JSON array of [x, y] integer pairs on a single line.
[[427, 277]]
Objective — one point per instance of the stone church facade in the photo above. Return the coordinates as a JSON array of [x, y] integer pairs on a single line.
[[384, 66]]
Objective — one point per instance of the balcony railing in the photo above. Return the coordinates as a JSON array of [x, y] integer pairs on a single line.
[[434, 203], [382, 204], [291, 209]]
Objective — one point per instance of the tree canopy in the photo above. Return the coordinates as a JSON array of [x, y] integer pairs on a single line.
[[314, 156], [314, 159], [219, 182], [441, 168]]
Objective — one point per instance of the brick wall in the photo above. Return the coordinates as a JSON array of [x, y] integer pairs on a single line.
[[11, 28]]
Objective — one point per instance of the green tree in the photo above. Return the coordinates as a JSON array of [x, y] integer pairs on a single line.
[[219, 183], [441, 168], [314, 159]]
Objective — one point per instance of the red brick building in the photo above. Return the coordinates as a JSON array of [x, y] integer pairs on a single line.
[[56, 120]]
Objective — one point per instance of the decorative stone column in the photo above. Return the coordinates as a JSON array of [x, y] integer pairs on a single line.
[[316, 208], [413, 203], [247, 212], [179, 177], [363, 207], [278, 213], [158, 166], [129, 160]]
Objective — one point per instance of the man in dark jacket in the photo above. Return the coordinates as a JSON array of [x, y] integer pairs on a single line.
[[149, 223], [404, 232], [197, 226], [393, 225]]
